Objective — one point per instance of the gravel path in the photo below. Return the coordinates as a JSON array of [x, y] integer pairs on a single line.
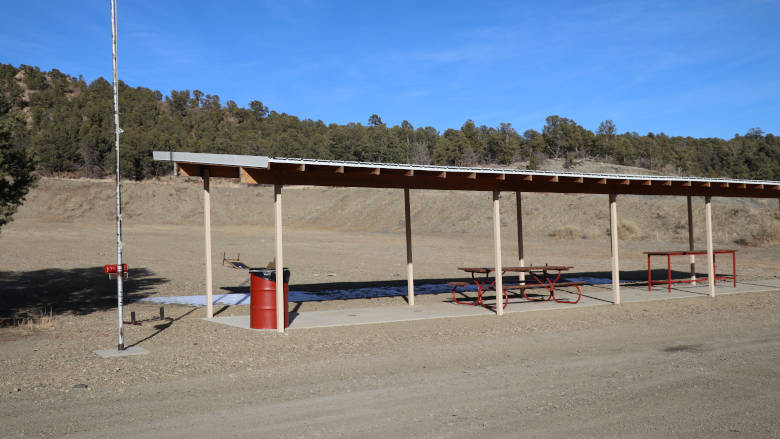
[[695, 367]]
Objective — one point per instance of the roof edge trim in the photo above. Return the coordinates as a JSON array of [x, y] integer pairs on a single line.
[[244, 161]]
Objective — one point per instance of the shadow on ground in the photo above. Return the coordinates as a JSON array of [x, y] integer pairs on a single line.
[[393, 288], [630, 276], [76, 290]]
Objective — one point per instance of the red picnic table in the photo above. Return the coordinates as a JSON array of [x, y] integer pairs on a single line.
[[540, 273], [669, 254]]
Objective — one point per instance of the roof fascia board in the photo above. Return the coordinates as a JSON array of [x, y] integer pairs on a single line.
[[471, 170], [244, 161], [266, 162]]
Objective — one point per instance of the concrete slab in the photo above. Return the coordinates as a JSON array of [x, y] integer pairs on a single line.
[[595, 295], [110, 353]]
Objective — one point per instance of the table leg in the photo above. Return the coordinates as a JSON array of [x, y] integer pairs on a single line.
[[491, 285], [506, 299], [464, 302], [714, 269], [480, 288], [552, 284], [479, 292], [545, 283], [468, 302], [549, 287], [579, 296], [669, 268], [649, 275]]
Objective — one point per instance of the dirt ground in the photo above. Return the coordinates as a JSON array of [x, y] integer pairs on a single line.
[[695, 367]]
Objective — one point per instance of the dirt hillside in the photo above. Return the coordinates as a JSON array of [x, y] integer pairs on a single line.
[[179, 202]]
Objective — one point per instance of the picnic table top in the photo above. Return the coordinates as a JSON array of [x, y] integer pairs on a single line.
[[687, 252], [517, 269]]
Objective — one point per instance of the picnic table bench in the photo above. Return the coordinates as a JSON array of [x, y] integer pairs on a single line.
[[550, 288], [539, 273]]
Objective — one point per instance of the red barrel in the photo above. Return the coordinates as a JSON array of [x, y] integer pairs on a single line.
[[262, 305]]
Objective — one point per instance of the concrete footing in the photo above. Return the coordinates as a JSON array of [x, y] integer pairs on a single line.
[[110, 353]]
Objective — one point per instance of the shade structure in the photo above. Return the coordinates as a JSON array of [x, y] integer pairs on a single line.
[[291, 171]]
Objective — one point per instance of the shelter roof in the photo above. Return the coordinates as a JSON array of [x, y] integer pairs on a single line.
[[296, 171]]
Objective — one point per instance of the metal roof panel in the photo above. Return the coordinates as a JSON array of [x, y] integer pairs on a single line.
[[249, 161]]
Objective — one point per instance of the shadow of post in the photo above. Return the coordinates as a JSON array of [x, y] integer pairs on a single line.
[[76, 290], [162, 327]]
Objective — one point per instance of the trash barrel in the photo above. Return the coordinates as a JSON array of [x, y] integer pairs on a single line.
[[262, 300]]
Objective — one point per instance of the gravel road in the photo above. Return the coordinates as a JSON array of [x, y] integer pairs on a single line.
[[696, 367]]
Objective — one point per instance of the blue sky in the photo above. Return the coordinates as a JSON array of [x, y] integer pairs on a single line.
[[704, 69]]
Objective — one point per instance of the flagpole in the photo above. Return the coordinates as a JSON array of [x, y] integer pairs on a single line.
[[120, 268]]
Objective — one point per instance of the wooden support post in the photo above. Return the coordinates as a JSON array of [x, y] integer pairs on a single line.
[[497, 254], [613, 232], [409, 265], [710, 255], [280, 303], [520, 253], [691, 243], [207, 232]]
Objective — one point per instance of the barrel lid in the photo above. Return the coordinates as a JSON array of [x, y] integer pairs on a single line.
[[265, 270]]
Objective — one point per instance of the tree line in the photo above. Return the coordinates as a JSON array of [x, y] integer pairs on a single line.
[[66, 125]]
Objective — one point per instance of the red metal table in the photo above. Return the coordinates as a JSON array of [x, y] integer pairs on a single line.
[[669, 254], [480, 283], [545, 280], [539, 273]]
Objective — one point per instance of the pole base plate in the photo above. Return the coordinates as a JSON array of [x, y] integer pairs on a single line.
[[132, 350]]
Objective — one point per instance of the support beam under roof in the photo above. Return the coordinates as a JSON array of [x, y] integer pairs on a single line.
[[265, 170]]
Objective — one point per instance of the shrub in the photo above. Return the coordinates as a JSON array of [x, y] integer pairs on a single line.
[[629, 230], [567, 232], [766, 233]]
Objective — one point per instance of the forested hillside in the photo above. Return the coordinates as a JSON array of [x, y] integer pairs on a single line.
[[69, 128]]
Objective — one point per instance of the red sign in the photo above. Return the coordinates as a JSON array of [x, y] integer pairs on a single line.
[[108, 269]]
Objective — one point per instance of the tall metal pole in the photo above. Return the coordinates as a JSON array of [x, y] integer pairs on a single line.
[[207, 233], [281, 304], [117, 131]]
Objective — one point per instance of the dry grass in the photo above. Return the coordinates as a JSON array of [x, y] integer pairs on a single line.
[[567, 232], [628, 229], [764, 233], [37, 321]]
